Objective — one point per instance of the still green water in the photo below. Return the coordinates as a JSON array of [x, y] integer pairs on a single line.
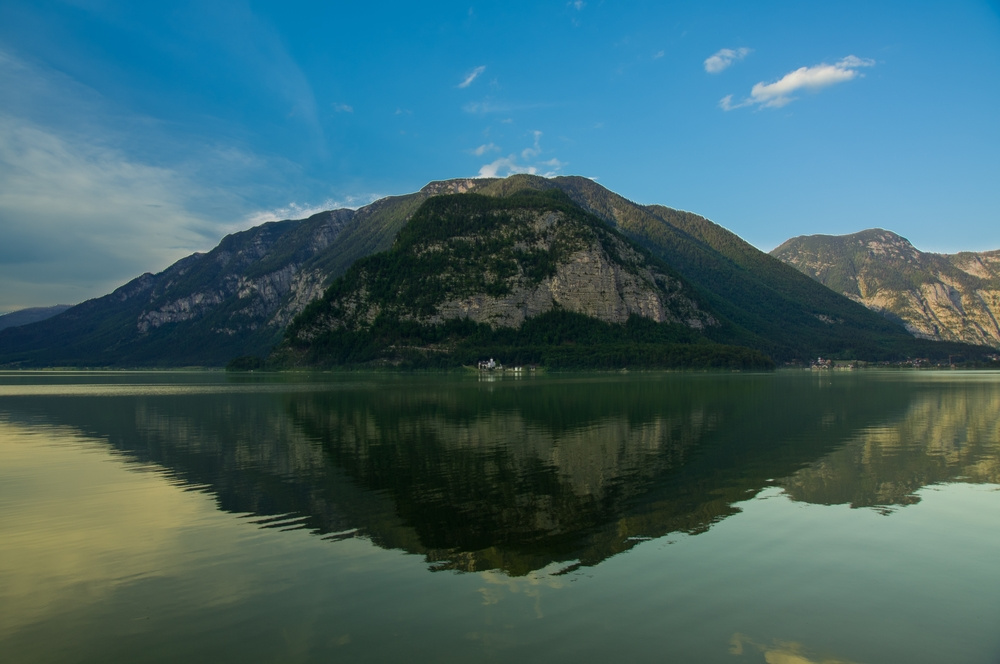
[[788, 518]]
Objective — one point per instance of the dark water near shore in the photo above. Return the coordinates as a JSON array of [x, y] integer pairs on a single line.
[[787, 518]]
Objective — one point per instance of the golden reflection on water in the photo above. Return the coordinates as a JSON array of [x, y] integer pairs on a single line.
[[499, 585], [779, 652], [944, 435], [75, 524], [84, 526]]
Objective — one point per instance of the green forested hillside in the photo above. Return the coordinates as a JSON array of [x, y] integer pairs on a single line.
[[787, 315], [238, 298], [392, 307]]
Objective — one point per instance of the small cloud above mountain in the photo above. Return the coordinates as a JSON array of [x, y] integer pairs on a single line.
[[722, 59], [813, 79]]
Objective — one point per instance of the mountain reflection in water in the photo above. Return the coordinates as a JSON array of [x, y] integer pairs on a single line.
[[517, 475]]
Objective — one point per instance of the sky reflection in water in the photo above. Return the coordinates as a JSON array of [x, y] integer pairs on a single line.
[[159, 516]]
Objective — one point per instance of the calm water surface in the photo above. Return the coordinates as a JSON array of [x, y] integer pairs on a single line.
[[789, 518]]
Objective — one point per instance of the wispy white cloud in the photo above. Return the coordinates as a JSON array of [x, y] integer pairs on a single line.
[[303, 210], [721, 60], [472, 76], [554, 166], [92, 195], [812, 79], [81, 218], [343, 108], [578, 5], [483, 149], [535, 149], [503, 167], [526, 162]]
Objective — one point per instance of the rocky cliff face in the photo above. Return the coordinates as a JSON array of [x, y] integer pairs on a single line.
[[238, 298], [204, 309], [249, 281], [265, 280], [501, 262], [589, 282], [936, 296]]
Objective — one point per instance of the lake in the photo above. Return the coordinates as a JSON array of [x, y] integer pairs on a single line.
[[788, 518]]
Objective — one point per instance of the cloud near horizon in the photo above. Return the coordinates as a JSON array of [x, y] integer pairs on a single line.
[[721, 60], [812, 79], [83, 207], [112, 219], [305, 210], [513, 164]]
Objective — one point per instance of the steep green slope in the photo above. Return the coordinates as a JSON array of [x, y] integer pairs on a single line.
[[529, 277], [233, 301], [237, 299], [785, 314]]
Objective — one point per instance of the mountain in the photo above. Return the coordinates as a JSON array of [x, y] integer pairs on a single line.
[[936, 296], [238, 298], [207, 308], [520, 276], [31, 315], [760, 301]]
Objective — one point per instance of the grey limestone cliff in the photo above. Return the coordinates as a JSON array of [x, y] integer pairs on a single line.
[[944, 297], [507, 265]]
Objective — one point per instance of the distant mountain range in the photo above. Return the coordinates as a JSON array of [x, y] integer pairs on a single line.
[[697, 282], [935, 296], [30, 315]]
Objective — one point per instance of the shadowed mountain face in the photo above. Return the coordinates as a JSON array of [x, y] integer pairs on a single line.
[[936, 296], [520, 474], [200, 310], [239, 298], [207, 308]]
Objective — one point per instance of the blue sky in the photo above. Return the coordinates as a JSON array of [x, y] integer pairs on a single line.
[[132, 134]]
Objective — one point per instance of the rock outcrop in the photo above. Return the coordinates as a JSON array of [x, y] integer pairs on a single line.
[[935, 296], [239, 298], [502, 261], [240, 284]]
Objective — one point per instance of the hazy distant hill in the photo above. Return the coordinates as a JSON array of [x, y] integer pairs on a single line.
[[238, 298], [936, 296], [32, 315]]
